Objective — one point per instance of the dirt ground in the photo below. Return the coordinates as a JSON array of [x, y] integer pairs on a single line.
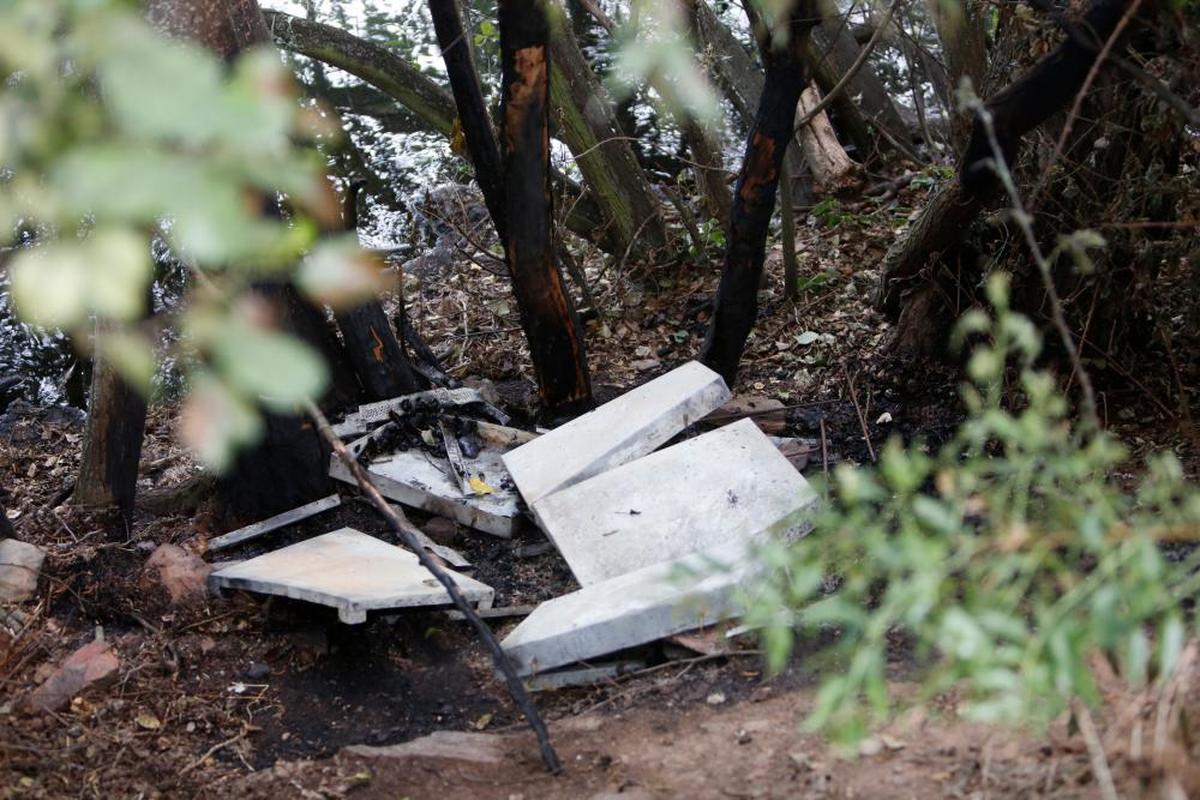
[[240, 697]]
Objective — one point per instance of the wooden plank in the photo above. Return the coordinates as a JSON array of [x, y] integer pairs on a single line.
[[274, 523]]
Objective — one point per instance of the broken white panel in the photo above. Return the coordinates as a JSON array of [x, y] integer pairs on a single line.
[[729, 485], [422, 480], [352, 572], [630, 610], [628, 427]]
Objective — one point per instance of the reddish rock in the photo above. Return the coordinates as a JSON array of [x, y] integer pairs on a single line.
[[442, 530], [182, 575], [92, 666]]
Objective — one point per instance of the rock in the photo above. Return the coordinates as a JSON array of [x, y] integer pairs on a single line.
[[769, 414], [183, 575], [645, 364], [256, 671], [20, 565], [92, 666], [442, 530]]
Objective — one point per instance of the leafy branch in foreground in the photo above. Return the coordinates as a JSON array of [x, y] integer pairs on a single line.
[[1010, 559]]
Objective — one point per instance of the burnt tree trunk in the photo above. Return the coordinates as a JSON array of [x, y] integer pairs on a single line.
[[473, 117], [374, 352], [1032, 100], [112, 440], [754, 197], [547, 314], [289, 466]]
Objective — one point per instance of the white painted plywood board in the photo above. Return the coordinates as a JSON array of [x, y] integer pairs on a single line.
[[618, 432], [352, 572], [630, 610], [729, 485]]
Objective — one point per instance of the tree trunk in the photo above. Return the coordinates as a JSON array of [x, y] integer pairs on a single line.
[[1032, 100], [732, 67], [824, 154], [366, 60], [473, 117], [547, 313], [431, 106], [831, 52], [754, 200], [374, 352], [961, 28], [112, 440], [587, 124]]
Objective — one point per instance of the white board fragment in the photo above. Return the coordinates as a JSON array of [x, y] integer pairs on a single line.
[[729, 485], [352, 572], [630, 610], [619, 431]]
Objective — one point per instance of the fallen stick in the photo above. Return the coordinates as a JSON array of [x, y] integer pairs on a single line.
[[257, 529], [408, 534]]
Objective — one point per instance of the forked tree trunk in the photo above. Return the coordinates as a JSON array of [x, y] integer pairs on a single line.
[[754, 198], [548, 316], [112, 439]]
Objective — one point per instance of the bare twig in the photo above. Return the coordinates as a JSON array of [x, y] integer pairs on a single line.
[[862, 420], [407, 533], [1100, 770], [1078, 104], [1025, 223], [863, 54]]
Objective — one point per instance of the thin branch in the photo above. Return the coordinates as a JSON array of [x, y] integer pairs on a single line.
[[407, 533], [1087, 727], [1025, 223], [854, 68], [1078, 104]]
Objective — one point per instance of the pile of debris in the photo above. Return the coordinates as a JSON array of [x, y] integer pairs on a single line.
[[657, 536]]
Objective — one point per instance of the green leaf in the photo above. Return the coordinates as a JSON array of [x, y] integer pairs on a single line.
[[339, 273], [216, 422], [273, 367], [132, 355], [49, 285], [120, 274]]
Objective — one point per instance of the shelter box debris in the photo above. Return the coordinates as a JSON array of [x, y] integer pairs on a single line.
[[416, 470], [350, 571]]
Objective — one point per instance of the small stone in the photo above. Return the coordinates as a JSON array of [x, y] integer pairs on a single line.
[[183, 575], [645, 364], [257, 671], [93, 665], [442, 530], [871, 746], [715, 699], [20, 565], [743, 736]]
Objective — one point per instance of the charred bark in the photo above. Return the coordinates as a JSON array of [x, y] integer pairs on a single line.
[[547, 314], [754, 198], [472, 110], [112, 440], [1034, 98], [378, 360]]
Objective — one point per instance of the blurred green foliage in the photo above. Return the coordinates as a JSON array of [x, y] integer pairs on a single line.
[[1007, 561], [112, 136]]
